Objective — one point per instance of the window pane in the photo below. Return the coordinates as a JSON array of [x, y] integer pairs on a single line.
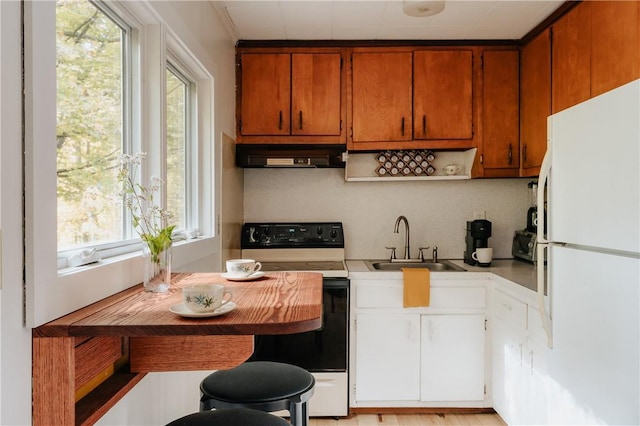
[[177, 133], [90, 79]]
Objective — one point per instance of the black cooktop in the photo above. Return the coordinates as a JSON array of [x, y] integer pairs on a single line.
[[292, 235]]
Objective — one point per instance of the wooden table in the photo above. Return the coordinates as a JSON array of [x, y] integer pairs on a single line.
[[136, 325]]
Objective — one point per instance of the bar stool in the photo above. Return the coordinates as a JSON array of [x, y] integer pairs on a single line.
[[260, 385], [230, 417]]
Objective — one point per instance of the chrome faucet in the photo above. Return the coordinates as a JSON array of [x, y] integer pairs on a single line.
[[407, 253]]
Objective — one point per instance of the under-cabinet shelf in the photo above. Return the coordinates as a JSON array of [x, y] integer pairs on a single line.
[[361, 167]]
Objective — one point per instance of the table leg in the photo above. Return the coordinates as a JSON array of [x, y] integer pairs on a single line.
[[53, 381]]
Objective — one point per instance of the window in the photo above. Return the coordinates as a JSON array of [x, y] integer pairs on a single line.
[[91, 131], [95, 78], [178, 117]]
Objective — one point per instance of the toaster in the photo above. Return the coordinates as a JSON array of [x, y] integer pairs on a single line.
[[524, 245]]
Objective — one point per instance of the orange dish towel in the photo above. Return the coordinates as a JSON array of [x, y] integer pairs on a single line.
[[417, 287]]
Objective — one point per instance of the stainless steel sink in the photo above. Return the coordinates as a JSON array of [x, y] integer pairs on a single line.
[[386, 265]]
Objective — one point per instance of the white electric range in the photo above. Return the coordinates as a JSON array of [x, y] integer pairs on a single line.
[[309, 247]]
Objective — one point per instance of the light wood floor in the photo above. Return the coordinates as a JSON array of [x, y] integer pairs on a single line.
[[446, 419]]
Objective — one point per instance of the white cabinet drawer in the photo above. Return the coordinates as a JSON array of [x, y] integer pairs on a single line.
[[389, 294], [509, 311]]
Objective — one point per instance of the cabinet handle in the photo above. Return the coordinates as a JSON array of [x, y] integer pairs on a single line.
[[424, 125], [300, 120], [521, 355], [280, 121], [402, 127], [524, 153], [531, 369], [510, 154]]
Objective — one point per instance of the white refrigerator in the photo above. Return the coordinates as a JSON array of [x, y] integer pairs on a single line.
[[589, 296]]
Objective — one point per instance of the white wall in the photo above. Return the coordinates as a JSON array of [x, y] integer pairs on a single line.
[[15, 340], [160, 397], [437, 210]]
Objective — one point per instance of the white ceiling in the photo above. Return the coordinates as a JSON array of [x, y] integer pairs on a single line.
[[381, 19]]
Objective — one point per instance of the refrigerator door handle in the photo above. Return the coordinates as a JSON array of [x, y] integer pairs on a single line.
[[542, 245], [545, 169], [540, 276]]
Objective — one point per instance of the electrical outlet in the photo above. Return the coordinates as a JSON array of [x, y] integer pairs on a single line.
[[479, 214]]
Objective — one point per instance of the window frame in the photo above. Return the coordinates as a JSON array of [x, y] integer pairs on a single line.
[[50, 292], [129, 241], [191, 142]]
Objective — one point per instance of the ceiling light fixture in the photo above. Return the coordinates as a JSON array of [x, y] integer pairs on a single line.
[[422, 8]]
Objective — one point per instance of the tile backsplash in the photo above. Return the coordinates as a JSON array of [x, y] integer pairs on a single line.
[[437, 210]]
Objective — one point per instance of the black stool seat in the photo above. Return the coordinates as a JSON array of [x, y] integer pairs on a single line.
[[230, 417], [260, 385]]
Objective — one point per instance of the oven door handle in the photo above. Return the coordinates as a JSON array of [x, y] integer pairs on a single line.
[[335, 283]]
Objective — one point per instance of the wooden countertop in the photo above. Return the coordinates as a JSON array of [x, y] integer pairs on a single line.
[[69, 352], [279, 303]]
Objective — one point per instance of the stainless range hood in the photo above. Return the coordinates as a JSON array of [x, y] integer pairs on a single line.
[[296, 156]]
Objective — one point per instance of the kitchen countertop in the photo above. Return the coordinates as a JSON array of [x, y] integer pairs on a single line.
[[513, 270], [159, 340]]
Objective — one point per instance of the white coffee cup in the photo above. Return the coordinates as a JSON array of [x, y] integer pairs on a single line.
[[483, 255], [205, 297], [451, 169], [242, 267]]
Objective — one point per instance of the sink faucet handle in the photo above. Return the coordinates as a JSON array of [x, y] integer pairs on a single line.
[[393, 252], [421, 254], [435, 254]]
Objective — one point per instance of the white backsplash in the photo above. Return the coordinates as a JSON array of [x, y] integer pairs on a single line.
[[437, 210]]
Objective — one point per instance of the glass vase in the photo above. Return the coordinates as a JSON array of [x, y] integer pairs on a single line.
[[157, 270]]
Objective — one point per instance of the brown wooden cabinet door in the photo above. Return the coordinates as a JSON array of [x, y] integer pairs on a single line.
[[315, 86], [615, 44], [500, 111], [571, 53], [266, 94], [535, 102], [442, 94], [381, 99]]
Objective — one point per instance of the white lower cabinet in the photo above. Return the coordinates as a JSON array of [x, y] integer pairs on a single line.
[[452, 358], [519, 360], [388, 357], [433, 356]]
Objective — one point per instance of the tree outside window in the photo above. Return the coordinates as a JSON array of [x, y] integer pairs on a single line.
[[90, 124], [177, 116]]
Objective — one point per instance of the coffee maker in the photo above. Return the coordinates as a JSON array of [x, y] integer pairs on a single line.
[[478, 233]]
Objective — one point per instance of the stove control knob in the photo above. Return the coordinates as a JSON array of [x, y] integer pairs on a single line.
[[252, 234], [333, 233], [319, 230]]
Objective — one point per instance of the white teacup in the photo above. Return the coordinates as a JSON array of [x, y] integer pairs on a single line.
[[242, 267], [483, 255], [205, 297], [451, 169]]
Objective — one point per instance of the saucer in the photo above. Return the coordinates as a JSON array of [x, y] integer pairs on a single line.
[[185, 312], [251, 277]]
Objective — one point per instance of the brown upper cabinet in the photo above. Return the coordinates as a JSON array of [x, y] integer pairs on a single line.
[[381, 97], [408, 99], [442, 94], [535, 102], [596, 48], [615, 44], [290, 97], [571, 58], [500, 143]]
